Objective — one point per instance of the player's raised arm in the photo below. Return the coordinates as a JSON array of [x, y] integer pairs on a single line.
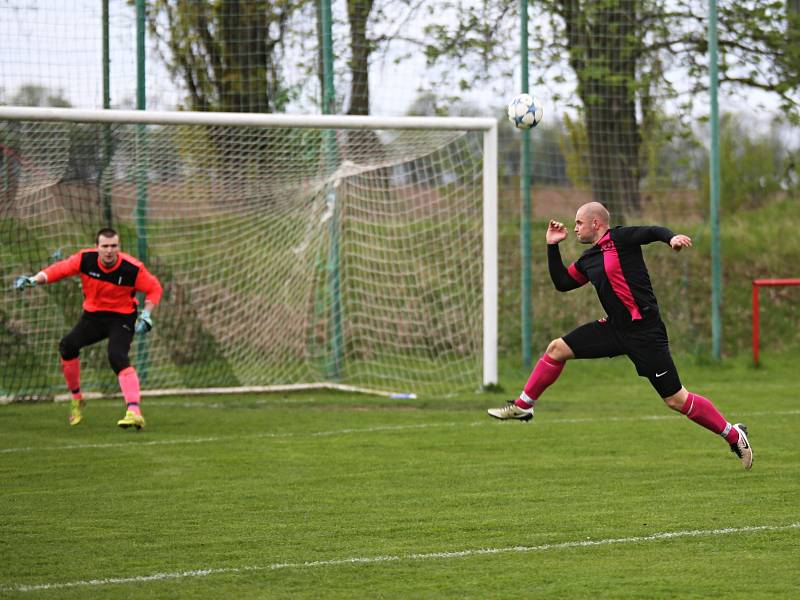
[[653, 233], [564, 279], [556, 232], [58, 270], [679, 241], [643, 234], [69, 267]]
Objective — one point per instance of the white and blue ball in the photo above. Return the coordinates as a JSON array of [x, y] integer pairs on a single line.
[[525, 111]]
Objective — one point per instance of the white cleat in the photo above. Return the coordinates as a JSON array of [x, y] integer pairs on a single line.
[[742, 447], [511, 411]]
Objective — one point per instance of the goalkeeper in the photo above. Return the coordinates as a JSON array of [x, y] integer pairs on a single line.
[[110, 280], [615, 266]]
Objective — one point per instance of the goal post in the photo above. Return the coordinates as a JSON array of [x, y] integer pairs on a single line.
[[238, 228], [757, 285]]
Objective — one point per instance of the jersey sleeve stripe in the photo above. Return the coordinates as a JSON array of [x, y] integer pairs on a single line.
[[579, 277]]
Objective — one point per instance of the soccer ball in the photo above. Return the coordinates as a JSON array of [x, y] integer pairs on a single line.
[[524, 111]]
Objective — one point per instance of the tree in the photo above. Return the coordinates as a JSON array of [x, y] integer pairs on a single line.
[[228, 53], [750, 165], [358, 12], [631, 59], [607, 78], [373, 27]]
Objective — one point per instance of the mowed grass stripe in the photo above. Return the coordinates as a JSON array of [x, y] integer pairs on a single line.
[[362, 430], [366, 560]]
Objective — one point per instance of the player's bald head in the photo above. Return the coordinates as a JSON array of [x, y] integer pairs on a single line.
[[594, 210]]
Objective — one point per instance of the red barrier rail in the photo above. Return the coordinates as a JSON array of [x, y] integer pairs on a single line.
[[758, 283]]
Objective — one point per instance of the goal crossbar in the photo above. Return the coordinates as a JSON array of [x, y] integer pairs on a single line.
[[24, 113]]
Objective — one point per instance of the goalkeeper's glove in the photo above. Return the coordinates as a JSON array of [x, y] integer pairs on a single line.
[[144, 323], [23, 281]]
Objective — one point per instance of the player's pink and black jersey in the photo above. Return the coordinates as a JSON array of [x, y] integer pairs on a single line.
[[615, 267], [112, 290]]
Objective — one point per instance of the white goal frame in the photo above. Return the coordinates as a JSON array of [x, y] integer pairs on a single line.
[[486, 125]]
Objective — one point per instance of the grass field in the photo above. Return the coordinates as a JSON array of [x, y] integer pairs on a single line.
[[605, 494]]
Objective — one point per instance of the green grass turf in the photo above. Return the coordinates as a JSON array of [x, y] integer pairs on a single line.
[[255, 487]]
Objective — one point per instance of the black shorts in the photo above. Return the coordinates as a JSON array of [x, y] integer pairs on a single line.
[[646, 344], [96, 326]]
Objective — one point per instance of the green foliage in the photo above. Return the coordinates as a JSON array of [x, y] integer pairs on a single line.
[[760, 47], [574, 147], [761, 243], [474, 42], [671, 155], [753, 168]]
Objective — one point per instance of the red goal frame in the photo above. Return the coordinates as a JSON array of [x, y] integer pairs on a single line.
[[757, 284]]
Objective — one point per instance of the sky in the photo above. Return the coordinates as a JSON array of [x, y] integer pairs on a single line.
[[72, 66]]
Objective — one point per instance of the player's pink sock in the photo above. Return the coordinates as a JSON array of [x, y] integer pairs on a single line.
[[703, 412], [129, 384], [72, 375], [544, 374]]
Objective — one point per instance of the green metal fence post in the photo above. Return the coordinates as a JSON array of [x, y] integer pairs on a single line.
[[716, 259], [142, 160], [331, 159], [105, 180], [526, 206]]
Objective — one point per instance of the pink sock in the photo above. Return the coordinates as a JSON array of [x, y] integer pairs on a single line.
[[544, 374], [129, 384], [72, 375], [703, 412]]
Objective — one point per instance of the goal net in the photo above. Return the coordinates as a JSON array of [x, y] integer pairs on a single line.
[[333, 251]]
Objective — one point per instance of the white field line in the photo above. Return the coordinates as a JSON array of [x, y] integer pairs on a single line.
[[335, 432], [225, 438], [367, 560]]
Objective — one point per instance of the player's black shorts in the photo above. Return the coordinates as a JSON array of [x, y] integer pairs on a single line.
[[646, 344], [95, 326]]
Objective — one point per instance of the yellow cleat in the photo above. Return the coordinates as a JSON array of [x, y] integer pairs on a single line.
[[76, 411], [131, 419]]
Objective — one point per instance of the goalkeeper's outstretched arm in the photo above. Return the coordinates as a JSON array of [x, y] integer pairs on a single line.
[[26, 281], [63, 268]]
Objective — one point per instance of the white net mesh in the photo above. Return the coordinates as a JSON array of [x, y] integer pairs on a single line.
[[285, 258]]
